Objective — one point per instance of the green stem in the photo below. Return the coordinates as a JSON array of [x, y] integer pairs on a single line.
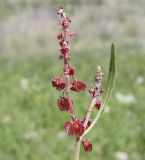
[[77, 149]]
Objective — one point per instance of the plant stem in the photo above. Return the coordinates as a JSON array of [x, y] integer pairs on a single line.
[[77, 149], [89, 111], [94, 121]]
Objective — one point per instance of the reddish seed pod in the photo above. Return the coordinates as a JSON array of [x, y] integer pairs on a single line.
[[98, 104], [74, 127], [58, 83], [78, 128], [89, 123], [87, 145], [63, 104], [68, 70], [78, 86], [69, 127], [64, 49], [60, 36]]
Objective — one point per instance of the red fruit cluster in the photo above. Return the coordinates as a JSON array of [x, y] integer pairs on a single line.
[[67, 83]]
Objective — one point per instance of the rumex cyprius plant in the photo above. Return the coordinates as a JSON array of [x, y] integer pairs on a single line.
[[66, 82]]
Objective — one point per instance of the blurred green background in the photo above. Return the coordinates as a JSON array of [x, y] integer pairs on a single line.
[[31, 127]]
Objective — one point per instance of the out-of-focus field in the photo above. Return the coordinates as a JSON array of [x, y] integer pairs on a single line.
[[31, 127]]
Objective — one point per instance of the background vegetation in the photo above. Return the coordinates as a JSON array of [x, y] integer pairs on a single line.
[[31, 127]]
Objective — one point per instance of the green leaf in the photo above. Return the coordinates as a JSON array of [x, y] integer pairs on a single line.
[[111, 76]]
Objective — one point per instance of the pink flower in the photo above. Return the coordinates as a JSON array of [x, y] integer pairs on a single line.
[[87, 145], [63, 104], [69, 71], [58, 83], [98, 104], [78, 86]]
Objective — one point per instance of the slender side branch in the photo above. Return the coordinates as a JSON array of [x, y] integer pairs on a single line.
[[89, 111], [109, 87], [94, 122]]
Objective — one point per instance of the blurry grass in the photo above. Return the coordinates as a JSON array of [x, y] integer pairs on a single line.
[[34, 110]]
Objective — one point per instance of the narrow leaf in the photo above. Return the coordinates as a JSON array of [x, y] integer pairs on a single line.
[[111, 76]]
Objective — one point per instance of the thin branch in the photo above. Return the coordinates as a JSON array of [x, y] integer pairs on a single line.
[[89, 111], [94, 122]]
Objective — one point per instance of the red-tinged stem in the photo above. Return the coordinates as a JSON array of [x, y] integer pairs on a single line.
[[68, 84], [69, 96], [89, 111], [77, 149]]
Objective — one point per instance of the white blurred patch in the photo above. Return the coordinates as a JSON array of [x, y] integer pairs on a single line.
[[121, 155], [30, 135], [129, 98], [107, 109], [7, 119], [139, 80], [61, 135], [24, 82]]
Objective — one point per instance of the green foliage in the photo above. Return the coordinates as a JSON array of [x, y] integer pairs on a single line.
[[111, 76], [32, 128]]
